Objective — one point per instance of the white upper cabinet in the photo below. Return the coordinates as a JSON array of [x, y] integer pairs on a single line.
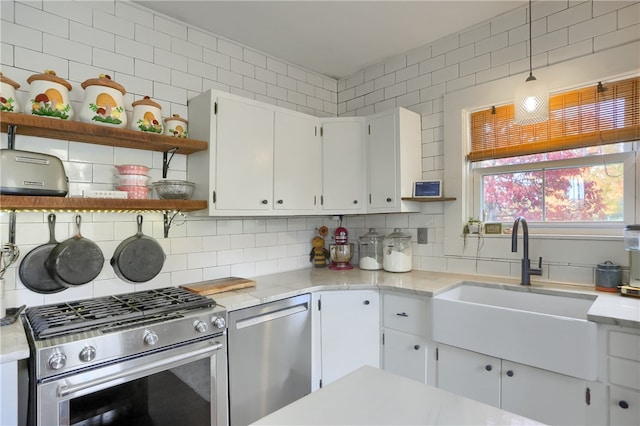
[[267, 160], [297, 167], [235, 174], [343, 166], [394, 160]]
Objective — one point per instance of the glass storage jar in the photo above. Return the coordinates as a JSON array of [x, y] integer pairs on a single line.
[[397, 253], [370, 250]]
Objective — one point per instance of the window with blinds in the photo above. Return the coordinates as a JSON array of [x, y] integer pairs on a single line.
[[603, 114]]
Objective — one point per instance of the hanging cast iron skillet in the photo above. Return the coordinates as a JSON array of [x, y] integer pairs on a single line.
[[139, 258], [75, 261], [33, 274]]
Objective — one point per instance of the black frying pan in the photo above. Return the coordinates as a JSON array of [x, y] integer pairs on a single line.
[[33, 274], [139, 258], [75, 261]]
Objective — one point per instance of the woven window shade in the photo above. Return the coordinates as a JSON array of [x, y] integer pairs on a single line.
[[577, 119]]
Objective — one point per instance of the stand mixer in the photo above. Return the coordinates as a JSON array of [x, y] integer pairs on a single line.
[[632, 245], [342, 251]]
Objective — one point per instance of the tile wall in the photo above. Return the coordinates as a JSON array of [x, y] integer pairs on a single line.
[[155, 55]]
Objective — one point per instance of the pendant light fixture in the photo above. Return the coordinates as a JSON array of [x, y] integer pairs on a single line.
[[532, 98]]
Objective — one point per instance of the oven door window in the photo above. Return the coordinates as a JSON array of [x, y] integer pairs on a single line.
[[177, 396]]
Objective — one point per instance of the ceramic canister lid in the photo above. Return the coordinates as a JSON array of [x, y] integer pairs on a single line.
[[7, 80], [147, 101], [103, 80], [51, 76], [175, 117]]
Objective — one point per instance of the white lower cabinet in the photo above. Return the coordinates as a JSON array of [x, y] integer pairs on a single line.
[[539, 394], [349, 332], [406, 347], [624, 406], [623, 375]]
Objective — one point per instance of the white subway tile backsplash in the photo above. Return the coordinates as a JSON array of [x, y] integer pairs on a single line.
[[67, 49], [594, 27], [574, 50], [169, 59], [134, 49], [396, 63], [37, 61], [231, 49], [184, 48], [616, 38], [395, 90], [49, 23], [134, 13], [216, 58], [445, 74], [108, 22], [276, 66], [90, 36], [381, 82], [550, 41], [296, 98], [629, 16], [169, 93], [491, 44], [202, 38], [112, 61], [186, 81], [296, 73], [432, 64], [571, 16], [407, 73], [492, 74], [459, 55], [445, 45], [473, 35], [508, 54], [509, 20], [170, 27], [146, 72]]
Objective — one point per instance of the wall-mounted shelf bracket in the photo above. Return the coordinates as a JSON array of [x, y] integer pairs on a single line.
[[169, 216], [11, 136], [166, 160]]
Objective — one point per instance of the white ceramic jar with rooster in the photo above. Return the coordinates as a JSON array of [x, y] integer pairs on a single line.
[[146, 116], [49, 96], [103, 102], [8, 101]]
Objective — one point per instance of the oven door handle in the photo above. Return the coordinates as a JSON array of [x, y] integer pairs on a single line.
[[65, 390]]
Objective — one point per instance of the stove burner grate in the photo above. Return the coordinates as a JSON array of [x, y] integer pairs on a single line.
[[103, 312]]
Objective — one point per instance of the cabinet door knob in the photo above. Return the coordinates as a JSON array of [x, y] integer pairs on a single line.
[[510, 373], [416, 347], [355, 201], [623, 404], [280, 201], [366, 302], [264, 202], [388, 200], [488, 367]]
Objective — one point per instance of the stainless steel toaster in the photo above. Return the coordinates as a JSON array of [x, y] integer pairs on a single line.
[[31, 173]]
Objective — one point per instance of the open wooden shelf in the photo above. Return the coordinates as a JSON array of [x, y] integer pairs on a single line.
[[428, 200], [33, 125], [37, 203]]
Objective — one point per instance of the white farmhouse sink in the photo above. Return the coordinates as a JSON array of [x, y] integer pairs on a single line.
[[543, 328]]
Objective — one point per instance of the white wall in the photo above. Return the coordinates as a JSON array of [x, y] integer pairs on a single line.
[[157, 56], [566, 36]]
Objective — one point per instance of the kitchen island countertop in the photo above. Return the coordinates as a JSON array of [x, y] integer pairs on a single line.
[[369, 396]]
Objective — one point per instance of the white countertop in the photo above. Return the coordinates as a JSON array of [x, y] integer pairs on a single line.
[[608, 308], [369, 396]]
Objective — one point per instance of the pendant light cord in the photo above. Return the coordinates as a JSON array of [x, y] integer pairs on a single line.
[[531, 77]]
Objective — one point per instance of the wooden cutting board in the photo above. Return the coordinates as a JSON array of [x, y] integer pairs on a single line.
[[206, 288]]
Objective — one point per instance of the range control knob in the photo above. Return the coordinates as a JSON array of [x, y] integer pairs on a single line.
[[200, 326], [218, 322], [150, 338], [88, 353], [57, 361]]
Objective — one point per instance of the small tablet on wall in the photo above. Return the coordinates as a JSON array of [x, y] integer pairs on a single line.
[[427, 189]]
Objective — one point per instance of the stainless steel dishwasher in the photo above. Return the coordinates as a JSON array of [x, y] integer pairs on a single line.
[[269, 348]]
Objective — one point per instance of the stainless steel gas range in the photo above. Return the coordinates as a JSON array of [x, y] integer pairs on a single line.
[[155, 357]]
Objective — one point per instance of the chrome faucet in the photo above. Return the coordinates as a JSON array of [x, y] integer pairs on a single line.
[[527, 270]]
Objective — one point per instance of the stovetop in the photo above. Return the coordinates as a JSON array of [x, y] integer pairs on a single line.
[[69, 336], [111, 312]]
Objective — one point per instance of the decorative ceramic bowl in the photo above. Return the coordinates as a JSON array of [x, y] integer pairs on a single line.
[[132, 169], [103, 102], [134, 191], [8, 101], [174, 189], [134, 180], [176, 126], [49, 96], [146, 116]]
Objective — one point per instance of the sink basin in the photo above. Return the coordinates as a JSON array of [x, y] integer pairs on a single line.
[[542, 328]]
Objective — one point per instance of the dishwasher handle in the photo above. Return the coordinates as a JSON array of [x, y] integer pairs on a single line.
[[270, 316]]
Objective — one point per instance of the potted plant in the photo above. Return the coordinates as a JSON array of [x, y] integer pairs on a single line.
[[473, 226]]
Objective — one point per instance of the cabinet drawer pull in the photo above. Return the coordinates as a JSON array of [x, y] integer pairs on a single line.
[[510, 373], [264, 202], [388, 200], [623, 404], [402, 314], [488, 367], [416, 347], [366, 302], [355, 201], [280, 201]]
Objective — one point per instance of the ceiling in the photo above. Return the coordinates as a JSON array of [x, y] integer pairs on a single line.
[[333, 38]]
